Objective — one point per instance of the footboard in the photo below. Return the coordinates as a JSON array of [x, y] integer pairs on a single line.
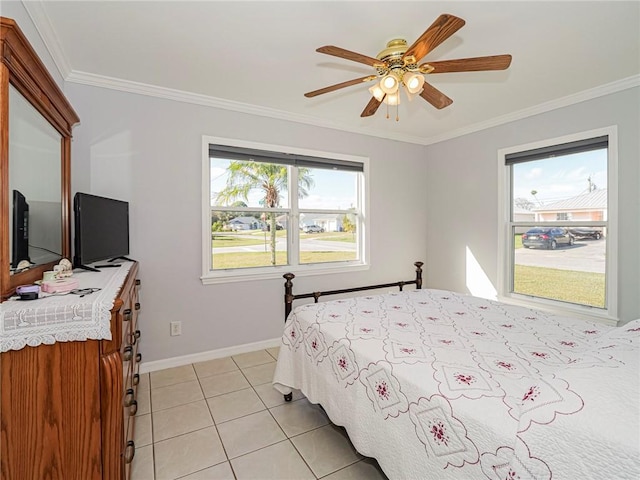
[[289, 297]]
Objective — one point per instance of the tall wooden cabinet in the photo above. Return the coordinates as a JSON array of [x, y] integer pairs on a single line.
[[67, 410]]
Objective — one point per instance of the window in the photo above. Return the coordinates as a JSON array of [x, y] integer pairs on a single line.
[[559, 243], [268, 210]]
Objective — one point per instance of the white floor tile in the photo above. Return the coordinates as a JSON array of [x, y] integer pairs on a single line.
[[299, 417], [219, 472], [171, 376], [144, 383], [174, 395], [190, 453], [260, 374], [246, 434], [184, 403], [223, 383], [143, 397], [274, 352], [215, 367], [366, 469], [277, 462], [326, 449], [272, 397], [252, 359], [180, 420], [142, 466], [234, 405], [142, 432]]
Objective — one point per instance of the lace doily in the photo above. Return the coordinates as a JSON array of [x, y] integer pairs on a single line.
[[63, 318]]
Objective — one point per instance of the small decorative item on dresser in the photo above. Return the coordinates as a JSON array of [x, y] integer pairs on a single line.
[[64, 269], [60, 285], [49, 275]]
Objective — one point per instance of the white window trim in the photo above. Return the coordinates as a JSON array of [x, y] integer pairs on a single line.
[[608, 315], [261, 273]]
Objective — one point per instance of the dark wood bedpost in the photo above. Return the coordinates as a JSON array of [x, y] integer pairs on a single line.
[[418, 274], [288, 294]]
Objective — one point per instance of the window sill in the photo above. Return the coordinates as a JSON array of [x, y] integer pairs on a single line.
[[589, 314], [251, 275]]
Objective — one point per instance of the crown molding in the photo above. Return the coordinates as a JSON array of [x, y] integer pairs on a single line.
[[600, 91], [42, 22], [128, 86], [205, 100], [43, 25]]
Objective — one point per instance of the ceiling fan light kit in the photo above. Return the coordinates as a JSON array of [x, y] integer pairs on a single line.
[[397, 65]]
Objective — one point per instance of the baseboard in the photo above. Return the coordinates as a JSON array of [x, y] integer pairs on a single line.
[[146, 367]]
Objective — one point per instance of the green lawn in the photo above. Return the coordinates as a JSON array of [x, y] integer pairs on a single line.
[[223, 239], [243, 239], [517, 240], [245, 260], [585, 288]]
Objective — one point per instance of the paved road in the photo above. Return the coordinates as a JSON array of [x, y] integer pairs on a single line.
[[584, 256]]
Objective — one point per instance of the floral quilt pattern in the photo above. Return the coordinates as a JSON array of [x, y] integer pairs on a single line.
[[436, 384]]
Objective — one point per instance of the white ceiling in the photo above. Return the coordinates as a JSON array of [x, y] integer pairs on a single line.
[[259, 57]]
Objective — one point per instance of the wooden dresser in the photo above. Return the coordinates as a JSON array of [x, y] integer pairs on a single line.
[[67, 409]]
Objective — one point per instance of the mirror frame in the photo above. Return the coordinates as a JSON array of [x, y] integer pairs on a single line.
[[22, 68]]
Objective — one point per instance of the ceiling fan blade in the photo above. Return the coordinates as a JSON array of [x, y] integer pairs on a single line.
[[444, 26], [476, 64], [435, 97], [338, 86], [349, 55], [371, 108]]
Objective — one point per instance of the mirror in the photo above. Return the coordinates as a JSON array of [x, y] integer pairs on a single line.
[[35, 156], [35, 179]]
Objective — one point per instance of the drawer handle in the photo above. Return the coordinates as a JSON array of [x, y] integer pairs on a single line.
[[133, 408], [138, 357], [129, 397], [137, 306], [127, 315], [134, 337], [130, 451], [128, 353], [136, 379]]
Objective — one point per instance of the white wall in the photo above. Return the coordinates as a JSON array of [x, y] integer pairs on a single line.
[[462, 192], [148, 151], [15, 10]]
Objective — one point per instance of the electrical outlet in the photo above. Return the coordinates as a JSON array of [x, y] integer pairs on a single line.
[[176, 328]]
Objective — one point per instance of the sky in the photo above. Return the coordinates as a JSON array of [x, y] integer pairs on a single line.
[[559, 178], [332, 189]]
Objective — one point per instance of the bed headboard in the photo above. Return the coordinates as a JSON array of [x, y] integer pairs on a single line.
[[289, 297]]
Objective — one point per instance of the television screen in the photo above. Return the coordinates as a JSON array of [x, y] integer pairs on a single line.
[[102, 228], [20, 233]]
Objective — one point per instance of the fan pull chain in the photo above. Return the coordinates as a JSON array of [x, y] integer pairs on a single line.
[[397, 108], [387, 111]]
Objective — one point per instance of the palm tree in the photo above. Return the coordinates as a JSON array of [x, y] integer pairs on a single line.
[[243, 177]]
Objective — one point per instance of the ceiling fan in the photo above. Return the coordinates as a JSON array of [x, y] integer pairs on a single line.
[[397, 66]]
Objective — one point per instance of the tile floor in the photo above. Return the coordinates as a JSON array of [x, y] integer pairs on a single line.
[[222, 419]]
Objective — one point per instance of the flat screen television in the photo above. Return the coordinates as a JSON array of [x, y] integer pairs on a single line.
[[101, 229], [20, 230]]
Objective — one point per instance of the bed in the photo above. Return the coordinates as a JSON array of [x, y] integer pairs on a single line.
[[438, 384]]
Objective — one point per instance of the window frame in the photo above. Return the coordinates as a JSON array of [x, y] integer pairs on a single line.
[[276, 271], [607, 315]]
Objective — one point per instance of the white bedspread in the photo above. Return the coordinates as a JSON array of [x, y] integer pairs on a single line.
[[439, 385]]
